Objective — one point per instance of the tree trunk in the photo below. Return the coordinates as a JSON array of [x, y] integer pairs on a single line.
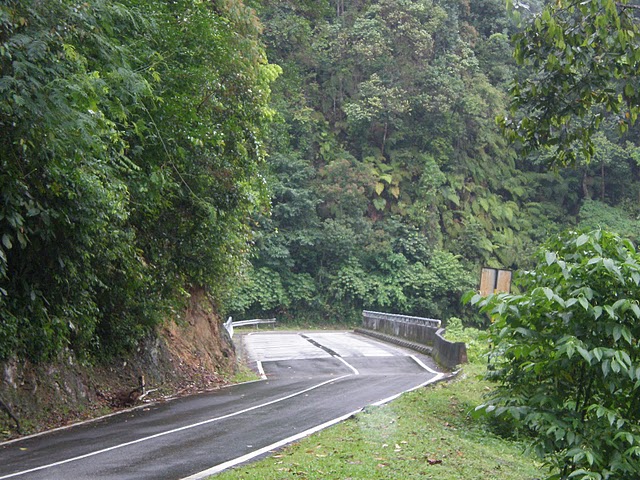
[[585, 186], [602, 180], [384, 136]]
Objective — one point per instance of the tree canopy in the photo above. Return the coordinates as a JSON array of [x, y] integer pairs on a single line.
[[583, 62], [131, 153], [387, 163]]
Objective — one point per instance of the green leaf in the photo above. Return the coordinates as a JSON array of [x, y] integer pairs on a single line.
[[617, 332], [610, 265], [581, 240], [615, 366], [584, 303], [610, 311], [379, 203], [550, 257], [386, 178], [623, 302], [626, 359], [589, 457], [597, 353], [6, 241], [597, 312], [584, 353]]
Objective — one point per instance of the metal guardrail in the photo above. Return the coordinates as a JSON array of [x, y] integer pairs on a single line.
[[429, 322], [229, 324], [255, 321]]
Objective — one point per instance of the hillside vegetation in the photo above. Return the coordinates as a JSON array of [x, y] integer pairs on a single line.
[[130, 157], [391, 182]]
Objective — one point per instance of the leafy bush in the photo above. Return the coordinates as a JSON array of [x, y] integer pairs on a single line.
[[566, 358], [595, 214]]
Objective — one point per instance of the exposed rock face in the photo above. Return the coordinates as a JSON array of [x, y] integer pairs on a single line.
[[192, 355]]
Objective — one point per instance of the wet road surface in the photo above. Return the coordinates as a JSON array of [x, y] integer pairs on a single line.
[[310, 380]]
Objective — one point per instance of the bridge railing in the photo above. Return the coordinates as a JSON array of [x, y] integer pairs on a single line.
[[423, 331], [394, 317]]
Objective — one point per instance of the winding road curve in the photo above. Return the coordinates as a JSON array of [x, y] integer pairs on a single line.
[[310, 380]]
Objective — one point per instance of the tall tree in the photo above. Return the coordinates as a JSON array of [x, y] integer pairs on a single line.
[[583, 64]]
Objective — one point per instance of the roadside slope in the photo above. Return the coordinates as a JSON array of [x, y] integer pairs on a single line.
[[193, 355]]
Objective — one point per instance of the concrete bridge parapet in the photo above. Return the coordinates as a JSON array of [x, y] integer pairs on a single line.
[[423, 331]]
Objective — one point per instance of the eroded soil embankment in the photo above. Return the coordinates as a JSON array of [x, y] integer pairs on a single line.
[[188, 357]]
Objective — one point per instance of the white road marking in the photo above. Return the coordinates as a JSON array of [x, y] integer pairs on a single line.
[[249, 456], [419, 362], [282, 346], [175, 430], [263, 375], [355, 371], [236, 461]]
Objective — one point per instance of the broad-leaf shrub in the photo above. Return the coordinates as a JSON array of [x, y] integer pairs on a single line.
[[566, 356]]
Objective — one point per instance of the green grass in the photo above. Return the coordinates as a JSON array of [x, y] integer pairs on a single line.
[[428, 433], [243, 374]]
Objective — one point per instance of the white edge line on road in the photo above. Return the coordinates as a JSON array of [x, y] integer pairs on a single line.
[[77, 424], [439, 376], [353, 369], [263, 375], [249, 456], [421, 363], [175, 430], [151, 404], [244, 458]]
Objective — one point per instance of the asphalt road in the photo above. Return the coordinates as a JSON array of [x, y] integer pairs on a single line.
[[310, 381]]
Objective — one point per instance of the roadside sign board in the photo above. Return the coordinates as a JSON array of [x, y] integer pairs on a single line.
[[495, 280]]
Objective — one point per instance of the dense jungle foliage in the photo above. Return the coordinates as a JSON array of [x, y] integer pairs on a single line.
[[391, 182], [141, 143], [131, 155]]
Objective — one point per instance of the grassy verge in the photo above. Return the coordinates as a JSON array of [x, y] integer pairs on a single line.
[[428, 433]]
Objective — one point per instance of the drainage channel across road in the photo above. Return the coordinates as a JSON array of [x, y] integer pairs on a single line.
[[310, 380]]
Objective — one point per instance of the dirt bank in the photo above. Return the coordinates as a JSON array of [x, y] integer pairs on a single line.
[[180, 359]]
